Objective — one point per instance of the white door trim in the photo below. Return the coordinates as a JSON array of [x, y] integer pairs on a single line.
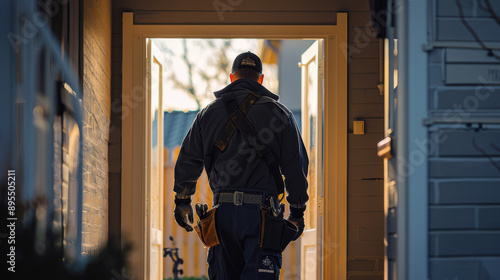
[[133, 219]]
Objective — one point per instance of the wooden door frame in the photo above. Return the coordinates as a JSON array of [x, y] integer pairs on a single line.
[[152, 51], [134, 112], [313, 53]]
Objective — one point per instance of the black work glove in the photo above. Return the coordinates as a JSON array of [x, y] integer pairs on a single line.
[[182, 209], [296, 217]]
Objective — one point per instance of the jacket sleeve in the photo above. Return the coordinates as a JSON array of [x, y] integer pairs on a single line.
[[294, 164], [189, 165]]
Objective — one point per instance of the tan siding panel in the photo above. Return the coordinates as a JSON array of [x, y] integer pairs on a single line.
[[365, 187], [361, 35], [365, 219], [369, 140], [365, 249], [363, 157], [365, 203], [364, 65], [360, 19], [366, 50], [369, 81], [365, 111], [256, 5], [359, 172], [360, 96], [234, 17]]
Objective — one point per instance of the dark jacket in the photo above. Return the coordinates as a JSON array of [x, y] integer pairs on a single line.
[[239, 166]]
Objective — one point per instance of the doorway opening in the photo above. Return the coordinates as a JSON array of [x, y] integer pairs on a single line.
[[192, 69], [155, 119]]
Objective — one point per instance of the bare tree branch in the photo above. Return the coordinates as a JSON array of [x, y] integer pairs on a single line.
[[472, 32], [178, 84], [202, 76], [484, 153], [492, 12]]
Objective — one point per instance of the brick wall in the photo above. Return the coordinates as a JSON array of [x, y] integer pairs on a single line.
[[96, 109], [365, 217]]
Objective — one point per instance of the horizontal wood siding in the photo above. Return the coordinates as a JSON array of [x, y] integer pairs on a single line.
[[365, 218]]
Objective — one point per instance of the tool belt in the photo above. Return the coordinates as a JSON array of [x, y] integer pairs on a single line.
[[206, 229], [276, 232]]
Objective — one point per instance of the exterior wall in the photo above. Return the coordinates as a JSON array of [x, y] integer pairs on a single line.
[[96, 119], [464, 151], [448, 144], [365, 233]]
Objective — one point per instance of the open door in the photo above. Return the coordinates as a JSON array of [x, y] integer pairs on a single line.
[[312, 128], [154, 194]]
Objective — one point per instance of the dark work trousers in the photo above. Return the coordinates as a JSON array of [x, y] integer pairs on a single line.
[[239, 256]]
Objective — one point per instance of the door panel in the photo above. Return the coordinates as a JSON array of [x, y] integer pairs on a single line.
[[155, 162], [312, 126]]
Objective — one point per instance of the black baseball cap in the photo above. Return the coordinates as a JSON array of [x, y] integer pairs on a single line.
[[247, 60]]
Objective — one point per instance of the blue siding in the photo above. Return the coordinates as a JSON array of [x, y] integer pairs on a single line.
[[464, 146]]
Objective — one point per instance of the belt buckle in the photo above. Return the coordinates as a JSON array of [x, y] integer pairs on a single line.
[[238, 198]]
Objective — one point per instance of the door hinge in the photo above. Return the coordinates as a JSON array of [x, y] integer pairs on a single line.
[[321, 67], [320, 206], [148, 71]]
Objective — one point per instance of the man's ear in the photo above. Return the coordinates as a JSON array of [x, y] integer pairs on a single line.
[[261, 79], [231, 77]]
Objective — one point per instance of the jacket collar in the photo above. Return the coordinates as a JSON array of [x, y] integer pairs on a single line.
[[247, 85]]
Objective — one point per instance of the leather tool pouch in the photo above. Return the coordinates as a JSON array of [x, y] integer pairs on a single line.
[[206, 229], [276, 232]]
